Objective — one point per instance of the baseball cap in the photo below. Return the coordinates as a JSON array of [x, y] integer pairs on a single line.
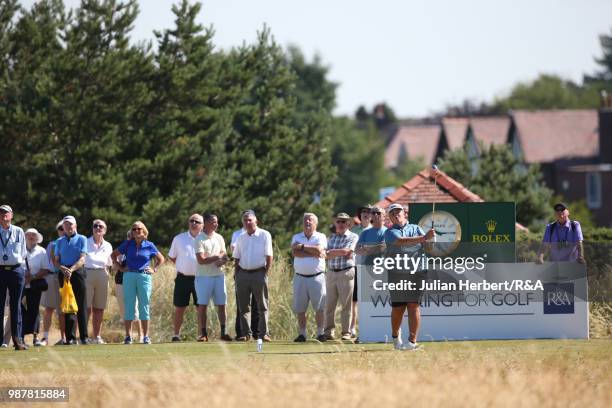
[[395, 206], [6, 208], [560, 207], [377, 209], [59, 224], [35, 231], [343, 216], [70, 219]]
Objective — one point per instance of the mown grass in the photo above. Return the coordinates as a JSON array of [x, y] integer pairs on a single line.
[[484, 373]]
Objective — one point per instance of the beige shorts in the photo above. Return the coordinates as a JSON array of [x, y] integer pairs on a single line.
[[97, 287], [51, 297]]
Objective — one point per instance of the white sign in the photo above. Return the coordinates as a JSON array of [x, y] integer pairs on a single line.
[[557, 309]]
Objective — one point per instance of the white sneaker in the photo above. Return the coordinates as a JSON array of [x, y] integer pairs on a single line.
[[4, 345], [410, 346], [397, 343], [98, 340]]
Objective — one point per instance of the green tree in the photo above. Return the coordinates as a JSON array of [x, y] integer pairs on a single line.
[[102, 128], [548, 92], [502, 177], [604, 75], [359, 156]]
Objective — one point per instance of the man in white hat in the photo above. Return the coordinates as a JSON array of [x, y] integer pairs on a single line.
[[36, 269], [12, 277], [70, 251]]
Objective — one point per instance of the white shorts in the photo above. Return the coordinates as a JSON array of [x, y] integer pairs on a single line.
[[308, 289]]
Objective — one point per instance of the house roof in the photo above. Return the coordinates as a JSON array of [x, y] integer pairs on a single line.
[[455, 130], [417, 141], [490, 130], [547, 136], [422, 188]]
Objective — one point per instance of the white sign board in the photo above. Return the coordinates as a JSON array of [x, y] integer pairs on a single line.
[[560, 310]]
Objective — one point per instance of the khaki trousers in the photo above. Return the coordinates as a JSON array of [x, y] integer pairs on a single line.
[[339, 288]]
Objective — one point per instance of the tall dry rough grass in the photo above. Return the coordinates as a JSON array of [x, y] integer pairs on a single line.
[[282, 320]]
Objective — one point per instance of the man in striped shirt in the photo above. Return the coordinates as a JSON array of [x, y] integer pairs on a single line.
[[340, 277]]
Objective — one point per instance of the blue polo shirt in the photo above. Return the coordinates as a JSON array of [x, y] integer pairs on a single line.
[[408, 230], [69, 249], [138, 259], [371, 236]]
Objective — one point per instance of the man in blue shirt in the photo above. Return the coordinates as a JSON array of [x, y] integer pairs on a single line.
[[563, 238], [405, 239], [70, 251], [371, 244], [12, 273]]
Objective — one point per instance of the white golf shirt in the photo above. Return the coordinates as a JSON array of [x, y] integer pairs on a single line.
[[252, 249], [183, 250]]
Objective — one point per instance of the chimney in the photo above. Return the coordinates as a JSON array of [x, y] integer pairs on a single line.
[[605, 128]]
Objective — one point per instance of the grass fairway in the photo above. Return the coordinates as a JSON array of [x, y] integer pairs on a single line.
[[482, 373]]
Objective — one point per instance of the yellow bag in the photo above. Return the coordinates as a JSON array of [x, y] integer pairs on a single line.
[[68, 301]]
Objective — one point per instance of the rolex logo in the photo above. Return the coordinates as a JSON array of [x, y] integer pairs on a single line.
[[491, 224]]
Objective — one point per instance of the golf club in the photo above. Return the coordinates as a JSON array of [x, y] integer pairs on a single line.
[[433, 205]]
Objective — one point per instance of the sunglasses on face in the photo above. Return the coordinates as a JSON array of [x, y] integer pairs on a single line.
[[61, 229], [196, 222], [136, 229], [341, 222], [376, 213], [99, 226]]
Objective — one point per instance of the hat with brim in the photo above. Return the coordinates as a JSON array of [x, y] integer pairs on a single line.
[[70, 219], [560, 207], [39, 236], [343, 216], [6, 208], [360, 210], [395, 206]]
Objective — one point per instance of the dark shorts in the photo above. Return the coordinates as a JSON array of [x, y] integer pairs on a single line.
[[355, 286], [405, 296], [184, 287]]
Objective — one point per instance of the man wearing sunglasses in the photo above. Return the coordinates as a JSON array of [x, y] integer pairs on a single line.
[[97, 264], [563, 238], [182, 253], [340, 277]]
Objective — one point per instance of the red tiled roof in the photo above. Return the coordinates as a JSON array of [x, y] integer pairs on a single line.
[[418, 141], [455, 130], [422, 189], [546, 136], [490, 130]]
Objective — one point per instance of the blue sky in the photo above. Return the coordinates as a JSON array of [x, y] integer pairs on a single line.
[[417, 56]]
